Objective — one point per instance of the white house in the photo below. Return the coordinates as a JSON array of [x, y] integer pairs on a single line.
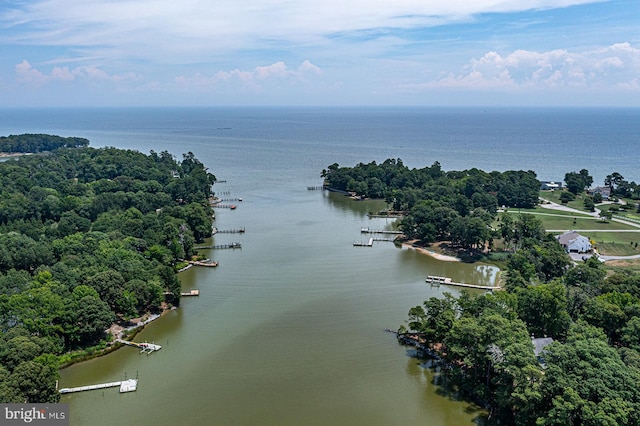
[[574, 242]]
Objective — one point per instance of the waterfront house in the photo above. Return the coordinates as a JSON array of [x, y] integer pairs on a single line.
[[550, 185], [574, 242], [604, 191]]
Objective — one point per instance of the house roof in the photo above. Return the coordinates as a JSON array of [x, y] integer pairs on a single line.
[[601, 189], [568, 237], [540, 343]]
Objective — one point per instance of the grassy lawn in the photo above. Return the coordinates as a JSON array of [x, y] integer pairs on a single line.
[[555, 197], [616, 243], [552, 219]]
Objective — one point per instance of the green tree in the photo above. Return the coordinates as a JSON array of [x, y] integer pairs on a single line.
[[34, 382], [544, 309]]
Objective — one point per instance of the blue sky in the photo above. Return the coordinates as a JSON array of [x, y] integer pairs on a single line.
[[334, 52]]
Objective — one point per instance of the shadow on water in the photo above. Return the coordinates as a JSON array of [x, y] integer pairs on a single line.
[[430, 375]]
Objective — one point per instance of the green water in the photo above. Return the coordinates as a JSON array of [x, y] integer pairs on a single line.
[[289, 330]]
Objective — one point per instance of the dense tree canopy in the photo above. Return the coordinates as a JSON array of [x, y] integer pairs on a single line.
[[458, 206], [38, 142], [87, 237]]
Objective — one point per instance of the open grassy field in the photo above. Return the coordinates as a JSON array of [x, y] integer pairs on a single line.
[[552, 220], [555, 197], [616, 244]]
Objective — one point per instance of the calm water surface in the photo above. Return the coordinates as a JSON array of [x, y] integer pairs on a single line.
[[290, 329]]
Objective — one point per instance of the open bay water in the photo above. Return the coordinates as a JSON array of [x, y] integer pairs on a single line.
[[289, 330]]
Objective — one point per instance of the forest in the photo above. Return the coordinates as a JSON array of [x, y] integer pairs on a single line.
[[32, 143], [88, 237], [587, 369], [453, 206]]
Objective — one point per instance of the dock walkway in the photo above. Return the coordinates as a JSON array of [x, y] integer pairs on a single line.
[[208, 262], [220, 246], [228, 231], [145, 347], [125, 386], [375, 231], [435, 280]]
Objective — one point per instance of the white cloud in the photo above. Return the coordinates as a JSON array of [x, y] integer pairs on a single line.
[[27, 74], [187, 29], [254, 79], [617, 65]]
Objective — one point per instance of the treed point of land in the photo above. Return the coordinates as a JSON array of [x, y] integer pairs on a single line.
[[88, 238], [561, 344]]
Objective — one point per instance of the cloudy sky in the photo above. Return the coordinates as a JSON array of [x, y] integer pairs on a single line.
[[330, 52]]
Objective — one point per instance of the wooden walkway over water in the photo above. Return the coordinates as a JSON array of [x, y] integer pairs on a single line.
[[208, 262], [228, 231], [145, 347], [220, 246], [370, 242], [125, 386], [373, 231], [435, 280]]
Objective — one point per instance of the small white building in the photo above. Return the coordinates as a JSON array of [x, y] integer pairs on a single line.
[[574, 242]]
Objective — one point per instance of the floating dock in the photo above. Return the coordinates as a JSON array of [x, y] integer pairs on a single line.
[[435, 280], [363, 244], [125, 386], [194, 292]]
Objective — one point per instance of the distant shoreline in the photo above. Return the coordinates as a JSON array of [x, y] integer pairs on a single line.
[[14, 154]]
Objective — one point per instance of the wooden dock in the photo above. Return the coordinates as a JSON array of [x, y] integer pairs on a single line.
[[369, 243], [228, 231], [220, 246], [315, 188], [437, 281], [209, 263], [363, 244], [373, 231], [145, 347], [224, 206], [194, 292], [125, 386]]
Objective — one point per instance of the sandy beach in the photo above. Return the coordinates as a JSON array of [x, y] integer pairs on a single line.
[[442, 257]]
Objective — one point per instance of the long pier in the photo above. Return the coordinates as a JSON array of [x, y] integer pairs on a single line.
[[315, 188], [373, 231], [220, 246], [228, 231], [371, 240], [435, 280], [224, 206], [125, 386]]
